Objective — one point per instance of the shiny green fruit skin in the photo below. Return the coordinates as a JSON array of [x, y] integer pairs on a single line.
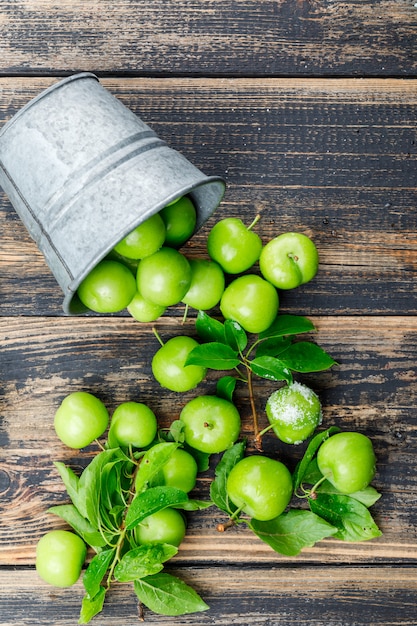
[[165, 526], [261, 486], [108, 288], [211, 424], [207, 285], [294, 412], [80, 419], [179, 471], [180, 220], [289, 260], [144, 240], [251, 301], [234, 247], [348, 461], [144, 311], [168, 365], [164, 277], [60, 555], [133, 424]]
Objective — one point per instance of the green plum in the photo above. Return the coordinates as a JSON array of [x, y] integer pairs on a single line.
[[165, 526], [289, 260], [80, 419], [180, 220], [348, 461], [164, 277], [108, 288], [179, 471], [261, 487], [251, 301], [168, 365], [144, 311], [234, 246], [144, 240], [294, 412], [60, 555], [207, 284], [133, 424], [211, 424]]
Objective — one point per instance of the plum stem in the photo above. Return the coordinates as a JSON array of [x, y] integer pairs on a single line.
[[256, 435], [255, 221], [155, 332]]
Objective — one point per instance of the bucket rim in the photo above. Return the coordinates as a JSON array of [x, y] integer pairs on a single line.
[[46, 92]]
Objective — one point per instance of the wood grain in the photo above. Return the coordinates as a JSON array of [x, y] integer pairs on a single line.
[[277, 596], [248, 37], [335, 159]]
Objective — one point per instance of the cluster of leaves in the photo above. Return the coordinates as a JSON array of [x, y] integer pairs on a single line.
[[273, 354], [117, 490], [114, 494], [330, 513]]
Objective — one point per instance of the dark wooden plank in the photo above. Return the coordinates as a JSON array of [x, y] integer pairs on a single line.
[[372, 390], [333, 158], [249, 37], [268, 596]]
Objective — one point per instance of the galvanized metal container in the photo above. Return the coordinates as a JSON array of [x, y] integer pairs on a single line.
[[82, 171]]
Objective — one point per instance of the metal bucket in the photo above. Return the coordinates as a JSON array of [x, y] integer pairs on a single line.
[[82, 171]]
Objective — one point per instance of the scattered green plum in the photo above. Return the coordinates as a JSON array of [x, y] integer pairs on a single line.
[[294, 412], [80, 419], [289, 260], [260, 486], [348, 461]]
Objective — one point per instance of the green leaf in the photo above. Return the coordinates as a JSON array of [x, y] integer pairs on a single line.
[[367, 496], [194, 505], [351, 517], [71, 482], [218, 491], [91, 606], [226, 387], [216, 356], [168, 595], [292, 531], [89, 486], [152, 500], [152, 462], [287, 325], [210, 329], [312, 473], [305, 356], [176, 431], [271, 368], [314, 444], [143, 561], [273, 346], [236, 337], [96, 571], [112, 488], [82, 527]]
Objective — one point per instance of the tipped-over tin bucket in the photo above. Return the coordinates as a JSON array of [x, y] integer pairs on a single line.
[[82, 171]]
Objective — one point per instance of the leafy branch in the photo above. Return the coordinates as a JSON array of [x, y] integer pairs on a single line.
[[273, 354], [330, 513], [113, 495]]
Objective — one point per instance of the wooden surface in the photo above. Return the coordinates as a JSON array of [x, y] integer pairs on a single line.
[[308, 109]]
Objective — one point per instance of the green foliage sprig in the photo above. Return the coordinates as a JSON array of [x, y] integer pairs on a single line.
[[329, 513], [114, 494], [273, 354]]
